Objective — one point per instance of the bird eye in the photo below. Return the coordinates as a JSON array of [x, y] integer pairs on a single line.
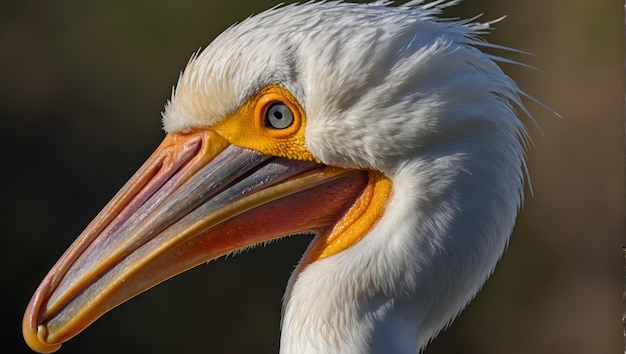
[[278, 116]]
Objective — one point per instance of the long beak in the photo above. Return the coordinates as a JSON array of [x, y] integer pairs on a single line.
[[195, 199]]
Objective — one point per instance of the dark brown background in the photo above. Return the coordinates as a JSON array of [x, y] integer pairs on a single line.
[[82, 84]]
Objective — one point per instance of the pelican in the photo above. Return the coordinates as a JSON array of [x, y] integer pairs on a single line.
[[384, 131]]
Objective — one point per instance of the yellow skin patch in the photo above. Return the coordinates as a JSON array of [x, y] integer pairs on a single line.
[[247, 127], [361, 217]]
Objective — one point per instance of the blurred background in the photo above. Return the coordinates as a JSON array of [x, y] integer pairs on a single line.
[[82, 85]]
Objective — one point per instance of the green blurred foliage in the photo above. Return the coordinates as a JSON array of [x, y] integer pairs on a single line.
[[81, 90]]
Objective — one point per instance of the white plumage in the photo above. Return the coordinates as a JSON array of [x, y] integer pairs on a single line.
[[394, 90], [397, 90]]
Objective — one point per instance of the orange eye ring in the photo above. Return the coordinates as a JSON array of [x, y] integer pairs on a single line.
[[269, 97]]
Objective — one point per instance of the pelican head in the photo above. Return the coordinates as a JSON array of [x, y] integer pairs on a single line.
[[384, 131]]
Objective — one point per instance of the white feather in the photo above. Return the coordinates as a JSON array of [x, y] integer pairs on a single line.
[[396, 90]]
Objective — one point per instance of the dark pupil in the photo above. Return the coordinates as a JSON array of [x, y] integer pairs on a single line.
[[278, 116]]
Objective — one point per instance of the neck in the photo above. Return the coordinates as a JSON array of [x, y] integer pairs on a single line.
[[331, 310], [419, 265]]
